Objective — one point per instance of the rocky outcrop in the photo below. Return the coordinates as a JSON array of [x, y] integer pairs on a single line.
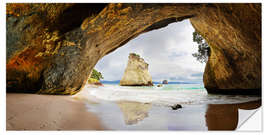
[[95, 82], [234, 35], [136, 72], [164, 82], [52, 48], [176, 107]]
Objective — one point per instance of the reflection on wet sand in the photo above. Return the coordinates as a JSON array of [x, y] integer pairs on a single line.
[[134, 111], [225, 116], [127, 115]]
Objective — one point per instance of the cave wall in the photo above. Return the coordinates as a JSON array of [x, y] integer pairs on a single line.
[[52, 48], [234, 34]]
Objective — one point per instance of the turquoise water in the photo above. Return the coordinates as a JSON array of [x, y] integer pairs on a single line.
[[149, 107], [195, 86], [165, 87], [168, 94], [181, 87]]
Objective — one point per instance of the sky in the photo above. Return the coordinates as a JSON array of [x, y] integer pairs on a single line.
[[168, 51]]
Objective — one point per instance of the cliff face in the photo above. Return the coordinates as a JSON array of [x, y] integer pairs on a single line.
[[52, 48], [136, 72], [234, 34]]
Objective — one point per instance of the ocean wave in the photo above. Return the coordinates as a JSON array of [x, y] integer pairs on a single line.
[[174, 94]]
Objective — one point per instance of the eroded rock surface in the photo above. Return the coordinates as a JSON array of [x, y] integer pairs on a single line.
[[234, 34], [136, 72], [52, 48]]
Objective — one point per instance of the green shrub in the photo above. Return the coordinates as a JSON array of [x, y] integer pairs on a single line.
[[96, 75], [203, 48]]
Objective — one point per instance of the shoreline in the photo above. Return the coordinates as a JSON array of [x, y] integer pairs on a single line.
[[48, 112], [130, 115], [55, 112]]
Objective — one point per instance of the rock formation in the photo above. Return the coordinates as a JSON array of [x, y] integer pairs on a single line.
[[234, 35], [52, 48], [136, 72], [176, 107], [95, 82], [164, 82]]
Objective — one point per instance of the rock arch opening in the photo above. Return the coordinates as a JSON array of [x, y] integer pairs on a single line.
[[61, 62], [168, 51]]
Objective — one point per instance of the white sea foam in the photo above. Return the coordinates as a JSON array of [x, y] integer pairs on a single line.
[[159, 96]]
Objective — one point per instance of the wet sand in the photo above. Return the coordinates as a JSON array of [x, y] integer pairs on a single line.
[[47, 112], [226, 116], [127, 115]]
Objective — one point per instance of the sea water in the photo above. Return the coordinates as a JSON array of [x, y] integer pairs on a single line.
[[149, 107], [167, 94]]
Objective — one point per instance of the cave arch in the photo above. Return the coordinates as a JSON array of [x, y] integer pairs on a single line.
[[59, 62], [168, 51]]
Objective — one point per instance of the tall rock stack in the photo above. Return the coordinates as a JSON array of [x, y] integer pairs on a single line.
[[136, 72]]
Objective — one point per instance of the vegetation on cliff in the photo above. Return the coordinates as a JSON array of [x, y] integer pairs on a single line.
[[95, 77], [203, 48], [135, 54]]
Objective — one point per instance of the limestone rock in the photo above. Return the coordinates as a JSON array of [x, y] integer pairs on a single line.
[[52, 48], [136, 72], [233, 32]]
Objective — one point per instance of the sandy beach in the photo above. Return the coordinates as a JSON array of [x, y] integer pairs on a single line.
[[47, 112]]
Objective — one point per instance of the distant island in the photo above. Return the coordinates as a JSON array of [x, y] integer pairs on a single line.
[[154, 82]]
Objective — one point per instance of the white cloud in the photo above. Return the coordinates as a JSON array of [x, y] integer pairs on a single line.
[[167, 50]]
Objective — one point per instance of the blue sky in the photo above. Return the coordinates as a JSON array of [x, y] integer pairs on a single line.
[[168, 51]]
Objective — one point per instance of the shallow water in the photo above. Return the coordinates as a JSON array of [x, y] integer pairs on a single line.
[[167, 95], [149, 108], [138, 116], [125, 115]]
